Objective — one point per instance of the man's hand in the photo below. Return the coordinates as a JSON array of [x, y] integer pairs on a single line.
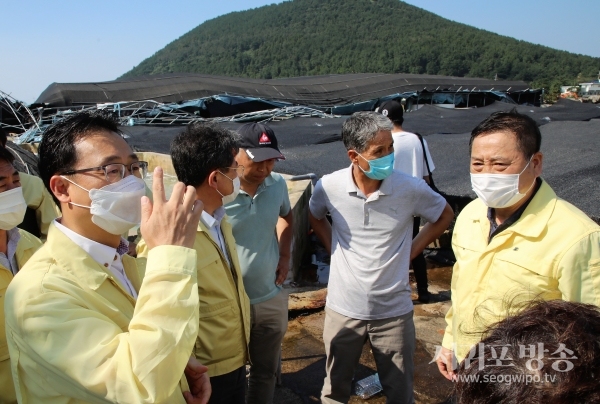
[[199, 383], [172, 222], [283, 267], [444, 363]]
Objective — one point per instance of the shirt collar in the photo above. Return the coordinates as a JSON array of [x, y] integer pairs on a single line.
[[267, 182], [385, 188], [13, 235], [12, 240], [350, 184], [100, 253], [214, 219]]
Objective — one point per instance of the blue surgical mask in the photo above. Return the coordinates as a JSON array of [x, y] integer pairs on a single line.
[[379, 169]]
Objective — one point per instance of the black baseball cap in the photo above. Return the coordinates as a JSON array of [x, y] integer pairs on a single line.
[[392, 109], [259, 142]]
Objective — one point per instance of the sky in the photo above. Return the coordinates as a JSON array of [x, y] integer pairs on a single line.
[[68, 41]]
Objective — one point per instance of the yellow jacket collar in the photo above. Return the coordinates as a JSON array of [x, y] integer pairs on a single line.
[[534, 219], [25, 243], [74, 259]]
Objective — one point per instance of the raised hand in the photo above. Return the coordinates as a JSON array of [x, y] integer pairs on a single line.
[[172, 222]]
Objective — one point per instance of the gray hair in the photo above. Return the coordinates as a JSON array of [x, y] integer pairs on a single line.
[[362, 127]]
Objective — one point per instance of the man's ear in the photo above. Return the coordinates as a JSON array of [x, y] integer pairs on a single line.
[[353, 156], [212, 179], [537, 161], [60, 188]]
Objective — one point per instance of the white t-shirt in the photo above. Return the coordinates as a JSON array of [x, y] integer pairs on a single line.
[[408, 155], [371, 241]]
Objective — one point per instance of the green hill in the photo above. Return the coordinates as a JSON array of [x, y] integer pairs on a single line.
[[310, 37]]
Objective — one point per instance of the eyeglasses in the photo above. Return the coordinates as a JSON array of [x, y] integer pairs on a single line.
[[239, 170], [116, 171]]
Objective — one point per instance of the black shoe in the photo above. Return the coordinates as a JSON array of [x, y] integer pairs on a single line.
[[424, 296]]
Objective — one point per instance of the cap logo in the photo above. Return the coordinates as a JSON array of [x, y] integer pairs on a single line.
[[264, 139], [384, 112]]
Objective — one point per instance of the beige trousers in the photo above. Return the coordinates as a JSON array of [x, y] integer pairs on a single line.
[[393, 343], [268, 326]]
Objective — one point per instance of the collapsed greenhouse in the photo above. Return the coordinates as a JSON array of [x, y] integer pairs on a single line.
[[307, 113]]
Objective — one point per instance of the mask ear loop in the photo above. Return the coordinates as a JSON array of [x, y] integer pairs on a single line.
[[364, 160], [76, 184], [526, 165], [216, 189], [525, 168]]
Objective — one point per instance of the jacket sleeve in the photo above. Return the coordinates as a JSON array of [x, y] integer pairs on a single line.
[[448, 340], [59, 332], [579, 270]]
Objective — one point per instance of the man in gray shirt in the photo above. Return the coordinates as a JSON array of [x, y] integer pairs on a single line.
[[372, 208]]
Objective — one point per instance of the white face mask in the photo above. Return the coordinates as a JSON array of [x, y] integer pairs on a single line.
[[12, 208], [116, 207], [498, 190], [236, 190]]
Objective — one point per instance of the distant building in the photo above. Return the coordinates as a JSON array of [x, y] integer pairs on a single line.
[[591, 88]]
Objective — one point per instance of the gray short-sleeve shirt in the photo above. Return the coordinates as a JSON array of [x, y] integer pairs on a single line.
[[371, 241]]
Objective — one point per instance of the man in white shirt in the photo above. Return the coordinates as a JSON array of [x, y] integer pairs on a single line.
[[410, 159], [372, 208]]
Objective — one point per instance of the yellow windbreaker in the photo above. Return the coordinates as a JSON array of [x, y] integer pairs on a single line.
[[76, 336], [28, 244], [39, 199], [224, 332], [551, 252]]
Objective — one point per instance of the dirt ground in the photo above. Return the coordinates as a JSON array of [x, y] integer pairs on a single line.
[[303, 357]]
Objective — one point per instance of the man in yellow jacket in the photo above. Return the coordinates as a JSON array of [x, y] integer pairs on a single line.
[[518, 241], [16, 247], [41, 209], [203, 157], [82, 325]]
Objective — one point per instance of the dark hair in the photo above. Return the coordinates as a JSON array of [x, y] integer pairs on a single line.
[[3, 137], [6, 155], [529, 138], [398, 121], [200, 149], [556, 324], [57, 149]]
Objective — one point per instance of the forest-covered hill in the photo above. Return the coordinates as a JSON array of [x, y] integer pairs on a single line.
[[310, 37]]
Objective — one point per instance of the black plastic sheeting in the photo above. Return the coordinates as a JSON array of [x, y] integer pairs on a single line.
[[431, 119], [313, 145], [324, 91]]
